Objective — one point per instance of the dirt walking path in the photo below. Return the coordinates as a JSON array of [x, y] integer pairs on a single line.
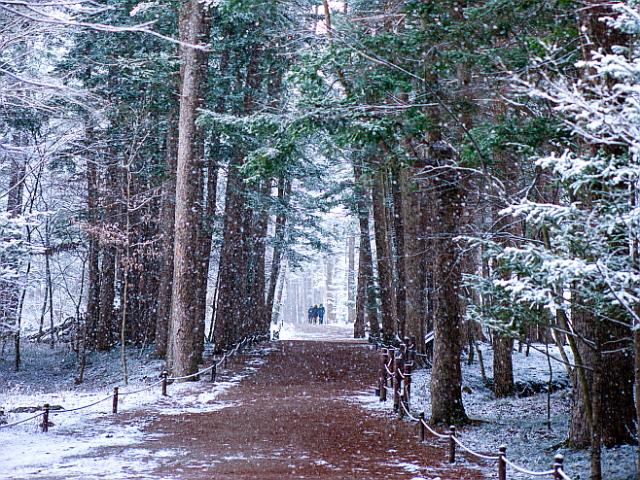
[[292, 416], [293, 419]]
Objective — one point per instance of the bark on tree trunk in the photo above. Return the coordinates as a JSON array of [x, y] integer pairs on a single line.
[[167, 226], [92, 314], [366, 310], [502, 366], [398, 181], [284, 191], [204, 245], [184, 339], [9, 291], [615, 377], [414, 261], [383, 258], [330, 295], [636, 344], [233, 263], [446, 380]]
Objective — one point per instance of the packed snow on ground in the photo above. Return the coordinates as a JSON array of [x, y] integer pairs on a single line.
[[304, 331], [79, 444], [519, 422]]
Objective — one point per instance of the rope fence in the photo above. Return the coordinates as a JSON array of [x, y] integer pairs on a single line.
[[48, 411], [396, 364]]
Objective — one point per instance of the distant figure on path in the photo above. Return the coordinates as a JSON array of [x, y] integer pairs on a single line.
[[321, 313], [316, 311], [312, 313]]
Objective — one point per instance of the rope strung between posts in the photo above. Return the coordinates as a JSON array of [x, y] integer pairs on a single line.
[[528, 472], [69, 410], [9, 425], [401, 404], [143, 389], [227, 355], [472, 452]]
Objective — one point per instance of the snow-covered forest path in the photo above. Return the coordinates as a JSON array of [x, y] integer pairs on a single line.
[[295, 417]]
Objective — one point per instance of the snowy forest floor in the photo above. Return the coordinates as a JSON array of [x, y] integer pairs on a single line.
[[519, 422], [285, 410]]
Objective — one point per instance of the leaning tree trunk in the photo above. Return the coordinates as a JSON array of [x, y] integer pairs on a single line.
[[204, 244], [184, 340]]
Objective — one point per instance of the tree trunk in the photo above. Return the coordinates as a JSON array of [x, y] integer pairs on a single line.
[[366, 291], [167, 226], [636, 345], [284, 191], [259, 318], [502, 366], [414, 261], [330, 295], [383, 258], [184, 339], [446, 380], [9, 291], [204, 244], [230, 306], [615, 369], [398, 180]]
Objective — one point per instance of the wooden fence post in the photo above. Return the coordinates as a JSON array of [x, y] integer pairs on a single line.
[[382, 378], [413, 347], [502, 465], [395, 383], [421, 425], [45, 419], [214, 367], [558, 461], [114, 408], [165, 376], [407, 382], [452, 444]]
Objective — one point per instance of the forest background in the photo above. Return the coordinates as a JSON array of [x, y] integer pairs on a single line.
[[173, 172]]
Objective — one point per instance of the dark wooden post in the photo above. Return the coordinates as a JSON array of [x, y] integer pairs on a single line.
[[165, 376], [407, 382], [45, 418], [558, 461], [395, 383], [225, 361], [412, 348], [421, 426], [382, 378], [452, 444], [391, 353], [502, 465], [114, 408], [214, 367]]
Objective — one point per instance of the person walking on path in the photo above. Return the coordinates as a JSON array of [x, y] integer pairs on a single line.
[[321, 313], [311, 313], [315, 314]]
